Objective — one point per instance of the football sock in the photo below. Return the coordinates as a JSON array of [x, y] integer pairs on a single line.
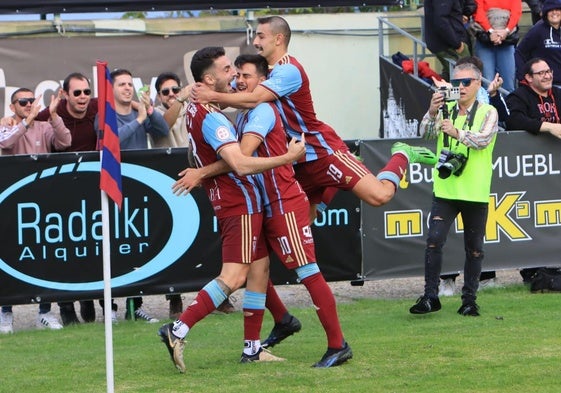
[[274, 304], [324, 302], [205, 302]]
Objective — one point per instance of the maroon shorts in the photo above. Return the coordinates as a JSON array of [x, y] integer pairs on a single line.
[[241, 238], [289, 236], [341, 170]]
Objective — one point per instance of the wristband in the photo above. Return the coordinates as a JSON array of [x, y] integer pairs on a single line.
[[24, 122]]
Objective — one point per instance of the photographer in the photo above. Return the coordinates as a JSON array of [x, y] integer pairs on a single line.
[[465, 131]]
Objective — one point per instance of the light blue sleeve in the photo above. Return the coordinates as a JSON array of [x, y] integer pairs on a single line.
[[218, 131], [284, 80], [261, 120]]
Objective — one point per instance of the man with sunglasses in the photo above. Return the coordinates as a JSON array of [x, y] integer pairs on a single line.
[[172, 106], [32, 136], [465, 131], [78, 109]]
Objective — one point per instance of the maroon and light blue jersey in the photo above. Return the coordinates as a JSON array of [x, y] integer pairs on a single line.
[[209, 132], [290, 84], [286, 225], [280, 191]]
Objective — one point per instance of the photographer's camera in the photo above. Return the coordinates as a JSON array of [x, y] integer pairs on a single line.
[[450, 163], [450, 93]]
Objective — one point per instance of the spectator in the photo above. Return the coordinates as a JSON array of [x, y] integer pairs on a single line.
[[172, 107], [534, 108], [468, 9], [466, 132], [533, 105], [535, 9], [445, 33], [135, 121], [77, 111], [32, 137], [543, 40], [495, 43]]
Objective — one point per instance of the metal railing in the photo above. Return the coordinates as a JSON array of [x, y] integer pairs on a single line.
[[419, 47], [420, 50]]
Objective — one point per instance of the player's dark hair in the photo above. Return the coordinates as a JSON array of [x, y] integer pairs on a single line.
[[278, 26], [261, 65], [203, 60]]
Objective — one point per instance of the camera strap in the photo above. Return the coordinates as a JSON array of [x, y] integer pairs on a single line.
[[468, 123]]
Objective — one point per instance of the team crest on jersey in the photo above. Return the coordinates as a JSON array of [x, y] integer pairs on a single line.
[[223, 133]]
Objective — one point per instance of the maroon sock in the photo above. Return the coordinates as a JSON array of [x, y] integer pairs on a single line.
[[397, 165], [274, 304], [252, 322], [324, 302], [198, 309]]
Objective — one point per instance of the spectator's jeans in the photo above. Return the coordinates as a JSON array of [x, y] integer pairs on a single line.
[[499, 59], [474, 218]]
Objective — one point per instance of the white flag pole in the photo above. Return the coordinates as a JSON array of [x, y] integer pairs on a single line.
[[106, 232]]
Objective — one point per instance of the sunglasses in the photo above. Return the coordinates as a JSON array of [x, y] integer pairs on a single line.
[[77, 93], [24, 101], [175, 89], [464, 81]]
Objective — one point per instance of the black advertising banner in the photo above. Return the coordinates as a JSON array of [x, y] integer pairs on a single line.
[[524, 223], [403, 99], [51, 230], [51, 226]]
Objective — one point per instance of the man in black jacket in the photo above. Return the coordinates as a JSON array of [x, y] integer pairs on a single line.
[[445, 33], [534, 106]]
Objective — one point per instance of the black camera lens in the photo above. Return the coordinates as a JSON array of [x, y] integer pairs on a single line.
[[444, 171], [454, 165], [450, 163]]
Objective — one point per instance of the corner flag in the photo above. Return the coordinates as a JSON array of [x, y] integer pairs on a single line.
[[110, 176]]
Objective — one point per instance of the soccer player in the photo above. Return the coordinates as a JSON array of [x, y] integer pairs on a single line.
[[235, 199], [328, 164], [286, 206]]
